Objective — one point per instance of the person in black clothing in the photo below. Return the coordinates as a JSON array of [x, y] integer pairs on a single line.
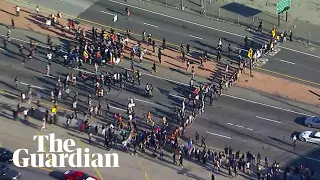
[[159, 55], [153, 46], [203, 141], [188, 48]]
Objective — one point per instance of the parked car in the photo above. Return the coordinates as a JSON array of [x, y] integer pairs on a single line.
[[5, 155], [76, 175], [6, 173], [310, 136], [312, 122]]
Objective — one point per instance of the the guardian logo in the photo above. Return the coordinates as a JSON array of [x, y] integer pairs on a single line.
[[63, 154]]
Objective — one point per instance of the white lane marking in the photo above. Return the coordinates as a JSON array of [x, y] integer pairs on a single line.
[[289, 62], [239, 126], [297, 51], [177, 82], [208, 27], [227, 137], [64, 1], [31, 85], [171, 17], [50, 76], [271, 120], [77, 69], [180, 97], [1, 49], [118, 108], [144, 101], [104, 12], [150, 25], [47, 47], [231, 96], [196, 37], [267, 105]]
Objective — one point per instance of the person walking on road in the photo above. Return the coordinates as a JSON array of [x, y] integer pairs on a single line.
[[43, 125], [16, 82], [128, 12], [154, 67], [25, 114], [49, 56], [180, 159], [48, 69], [260, 26], [294, 138]]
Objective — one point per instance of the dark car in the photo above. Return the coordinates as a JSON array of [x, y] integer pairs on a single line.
[[6, 173], [5, 155]]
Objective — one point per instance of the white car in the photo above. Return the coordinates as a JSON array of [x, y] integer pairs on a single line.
[[310, 136]]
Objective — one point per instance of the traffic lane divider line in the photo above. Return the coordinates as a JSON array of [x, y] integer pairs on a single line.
[[289, 62], [48, 105], [99, 24], [240, 126], [168, 42], [104, 12], [288, 76], [208, 27], [83, 146], [231, 96], [266, 105], [147, 24], [143, 170], [219, 135], [156, 40], [267, 119], [227, 95]]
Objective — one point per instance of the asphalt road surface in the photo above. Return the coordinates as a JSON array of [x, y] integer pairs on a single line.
[[242, 125], [295, 59]]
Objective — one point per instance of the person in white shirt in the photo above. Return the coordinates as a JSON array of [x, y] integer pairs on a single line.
[[43, 125], [49, 56], [48, 69], [17, 11], [37, 9], [25, 114], [183, 105]]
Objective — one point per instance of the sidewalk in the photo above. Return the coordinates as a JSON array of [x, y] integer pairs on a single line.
[[171, 59], [247, 13]]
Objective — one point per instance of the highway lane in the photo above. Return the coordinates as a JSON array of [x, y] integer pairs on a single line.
[[237, 113], [141, 167], [206, 39], [208, 36], [162, 91], [295, 64], [164, 29]]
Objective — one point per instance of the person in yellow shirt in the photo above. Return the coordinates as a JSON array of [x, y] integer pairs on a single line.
[[149, 117]]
